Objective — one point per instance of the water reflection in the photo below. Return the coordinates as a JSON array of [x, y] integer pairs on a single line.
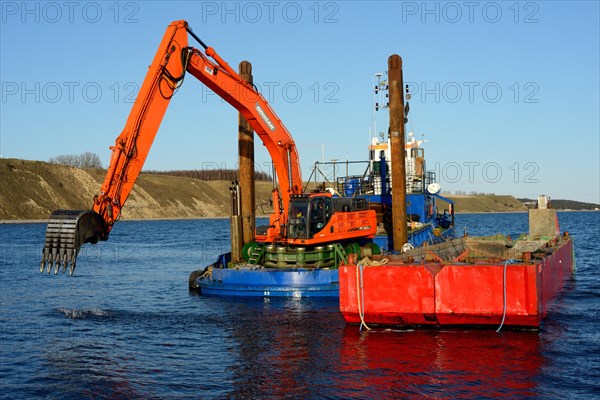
[[286, 347], [291, 348], [440, 363]]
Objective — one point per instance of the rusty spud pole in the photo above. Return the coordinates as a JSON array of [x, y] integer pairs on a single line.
[[246, 165], [396, 93]]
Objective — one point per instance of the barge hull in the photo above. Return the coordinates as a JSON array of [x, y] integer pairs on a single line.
[[266, 282], [434, 293]]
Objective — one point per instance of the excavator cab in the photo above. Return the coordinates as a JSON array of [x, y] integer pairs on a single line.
[[308, 215]]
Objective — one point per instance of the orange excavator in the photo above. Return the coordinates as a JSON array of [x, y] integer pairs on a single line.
[[298, 219]]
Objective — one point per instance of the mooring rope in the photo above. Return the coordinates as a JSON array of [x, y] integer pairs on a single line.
[[360, 298], [207, 272], [371, 263], [360, 295], [509, 261]]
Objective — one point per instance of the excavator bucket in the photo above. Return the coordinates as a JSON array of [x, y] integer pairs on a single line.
[[66, 232]]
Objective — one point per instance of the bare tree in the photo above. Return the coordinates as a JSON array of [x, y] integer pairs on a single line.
[[84, 160], [211, 174], [89, 160]]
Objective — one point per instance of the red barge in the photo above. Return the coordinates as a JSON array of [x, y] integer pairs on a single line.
[[489, 281]]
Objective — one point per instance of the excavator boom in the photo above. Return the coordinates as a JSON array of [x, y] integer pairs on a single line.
[[68, 230]]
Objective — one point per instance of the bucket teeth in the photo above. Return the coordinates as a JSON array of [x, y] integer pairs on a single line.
[[45, 258], [66, 232], [62, 261], [53, 259], [72, 269], [73, 260]]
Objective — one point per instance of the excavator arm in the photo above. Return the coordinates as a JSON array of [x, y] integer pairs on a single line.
[[68, 230]]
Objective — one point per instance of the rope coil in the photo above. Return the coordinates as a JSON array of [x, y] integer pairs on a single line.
[[207, 272]]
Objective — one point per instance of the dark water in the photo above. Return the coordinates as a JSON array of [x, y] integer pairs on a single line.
[[125, 326]]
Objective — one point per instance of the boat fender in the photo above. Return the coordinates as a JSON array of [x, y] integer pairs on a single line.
[[199, 274], [193, 277]]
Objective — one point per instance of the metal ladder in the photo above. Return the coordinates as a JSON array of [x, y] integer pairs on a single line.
[[341, 254], [256, 255]]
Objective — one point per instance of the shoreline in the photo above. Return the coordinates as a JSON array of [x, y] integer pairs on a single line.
[[43, 221]]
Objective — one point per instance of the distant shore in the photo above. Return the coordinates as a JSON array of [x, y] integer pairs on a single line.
[[31, 189], [43, 221]]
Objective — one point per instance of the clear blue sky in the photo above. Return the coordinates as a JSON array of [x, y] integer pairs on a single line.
[[508, 92]]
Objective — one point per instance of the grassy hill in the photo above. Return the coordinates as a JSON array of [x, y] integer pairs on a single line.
[[33, 189], [487, 203]]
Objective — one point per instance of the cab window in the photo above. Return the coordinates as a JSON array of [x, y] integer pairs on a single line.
[[321, 210], [297, 219]]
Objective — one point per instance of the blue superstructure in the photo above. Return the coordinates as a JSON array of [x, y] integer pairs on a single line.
[[427, 224]]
